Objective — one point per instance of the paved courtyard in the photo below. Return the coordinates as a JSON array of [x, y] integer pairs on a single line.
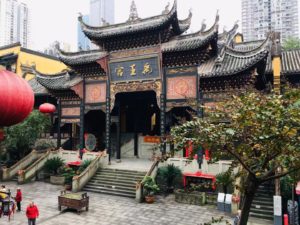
[[106, 209]]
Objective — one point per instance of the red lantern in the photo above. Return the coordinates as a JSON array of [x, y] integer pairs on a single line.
[[16, 98], [47, 108]]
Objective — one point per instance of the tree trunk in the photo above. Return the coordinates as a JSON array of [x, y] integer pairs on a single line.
[[248, 198]]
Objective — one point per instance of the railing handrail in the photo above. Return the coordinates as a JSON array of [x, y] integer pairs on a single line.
[[37, 161], [22, 160], [155, 163], [87, 171]]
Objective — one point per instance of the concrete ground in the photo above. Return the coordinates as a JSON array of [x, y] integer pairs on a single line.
[[106, 209]]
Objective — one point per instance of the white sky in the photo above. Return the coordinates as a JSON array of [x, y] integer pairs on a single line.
[[53, 20]]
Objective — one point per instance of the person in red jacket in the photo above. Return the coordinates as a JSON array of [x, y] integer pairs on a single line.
[[19, 198], [32, 213]]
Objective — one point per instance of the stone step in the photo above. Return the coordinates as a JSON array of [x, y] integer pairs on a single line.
[[112, 186], [267, 203], [115, 182], [262, 211], [137, 177], [109, 191], [263, 198], [260, 206], [122, 171], [115, 179], [261, 216], [112, 183]]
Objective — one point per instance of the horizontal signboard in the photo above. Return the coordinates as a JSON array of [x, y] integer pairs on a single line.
[[135, 69]]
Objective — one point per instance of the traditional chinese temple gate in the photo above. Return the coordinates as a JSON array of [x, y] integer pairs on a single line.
[[147, 74]]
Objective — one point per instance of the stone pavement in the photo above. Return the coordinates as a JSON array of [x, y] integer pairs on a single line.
[[107, 210]]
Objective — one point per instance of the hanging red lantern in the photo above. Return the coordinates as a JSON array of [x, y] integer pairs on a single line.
[[16, 98], [47, 108]]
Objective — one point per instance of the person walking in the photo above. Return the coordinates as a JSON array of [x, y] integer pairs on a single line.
[[32, 213], [19, 199]]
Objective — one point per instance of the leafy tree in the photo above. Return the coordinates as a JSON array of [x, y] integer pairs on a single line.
[[261, 132], [291, 43], [53, 165], [20, 138]]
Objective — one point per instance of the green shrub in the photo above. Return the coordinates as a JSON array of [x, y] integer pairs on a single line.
[[68, 173], [84, 165], [53, 165], [43, 145], [224, 180], [169, 177]]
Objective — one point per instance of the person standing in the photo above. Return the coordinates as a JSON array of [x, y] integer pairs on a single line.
[[19, 198], [32, 213]]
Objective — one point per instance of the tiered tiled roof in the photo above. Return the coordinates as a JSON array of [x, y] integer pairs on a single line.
[[232, 61], [138, 25], [191, 41], [80, 58], [61, 81], [37, 88]]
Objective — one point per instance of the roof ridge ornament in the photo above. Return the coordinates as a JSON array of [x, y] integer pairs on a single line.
[[104, 22], [133, 16], [166, 10], [203, 26]]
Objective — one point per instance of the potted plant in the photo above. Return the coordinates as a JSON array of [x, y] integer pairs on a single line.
[[169, 177], [150, 188], [68, 174], [52, 166]]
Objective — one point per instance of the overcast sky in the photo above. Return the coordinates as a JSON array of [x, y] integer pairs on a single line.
[[53, 20]]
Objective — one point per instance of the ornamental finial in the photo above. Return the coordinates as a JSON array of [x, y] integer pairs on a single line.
[[133, 12], [166, 10]]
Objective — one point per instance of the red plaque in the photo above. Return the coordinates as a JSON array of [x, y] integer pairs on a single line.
[[182, 87]]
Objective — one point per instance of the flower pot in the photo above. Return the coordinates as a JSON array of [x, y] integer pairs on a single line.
[[149, 199], [59, 180]]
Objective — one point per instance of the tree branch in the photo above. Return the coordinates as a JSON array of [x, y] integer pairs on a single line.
[[241, 161], [281, 175]]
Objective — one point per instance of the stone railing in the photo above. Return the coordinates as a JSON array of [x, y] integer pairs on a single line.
[[80, 181], [139, 196], [191, 166], [9, 173], [27, 174]]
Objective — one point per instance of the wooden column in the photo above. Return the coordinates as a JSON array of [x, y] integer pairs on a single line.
[[82, 112], [163, 121], [58, 123], [136, 142]]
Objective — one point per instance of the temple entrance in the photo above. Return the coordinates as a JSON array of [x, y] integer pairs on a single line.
[[135, 116]]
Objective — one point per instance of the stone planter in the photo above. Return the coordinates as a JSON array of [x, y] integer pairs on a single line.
[[59, 180], [194, 198]]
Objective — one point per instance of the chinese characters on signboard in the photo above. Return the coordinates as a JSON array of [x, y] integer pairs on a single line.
[[131, 70]]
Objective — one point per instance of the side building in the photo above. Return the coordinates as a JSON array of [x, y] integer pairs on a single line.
[[22, 61]]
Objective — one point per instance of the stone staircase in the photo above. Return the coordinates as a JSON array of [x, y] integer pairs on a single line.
[[115, 182], [262, 205]]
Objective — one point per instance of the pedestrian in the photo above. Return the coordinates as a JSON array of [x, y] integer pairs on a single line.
[[32, 213], [19, 199], [237, 218]]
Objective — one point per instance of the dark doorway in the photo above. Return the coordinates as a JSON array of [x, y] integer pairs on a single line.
[[134, 114], [138, 112], [95, 124]]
